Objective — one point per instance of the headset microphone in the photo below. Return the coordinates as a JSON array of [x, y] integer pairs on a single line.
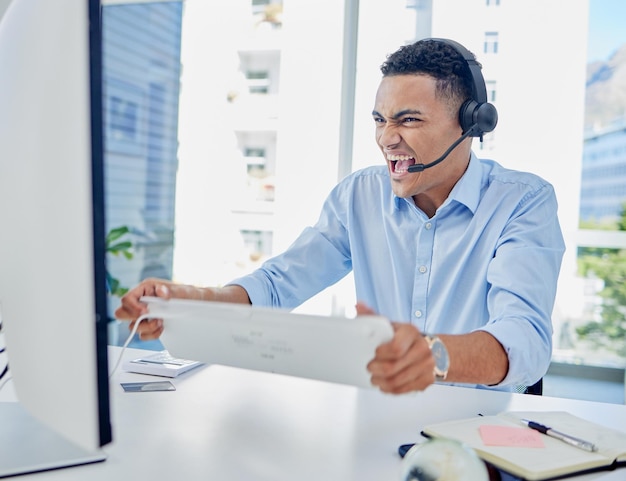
[[422, 167]]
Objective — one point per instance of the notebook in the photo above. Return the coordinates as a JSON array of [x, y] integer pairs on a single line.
[[327, 348], [505, 442]]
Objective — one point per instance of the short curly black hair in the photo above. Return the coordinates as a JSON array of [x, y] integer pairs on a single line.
[[436, 59]]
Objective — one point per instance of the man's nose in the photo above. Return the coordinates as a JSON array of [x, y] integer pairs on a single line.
[[389, 136]]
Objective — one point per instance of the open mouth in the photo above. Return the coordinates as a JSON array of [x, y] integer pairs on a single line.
[[400, 163]]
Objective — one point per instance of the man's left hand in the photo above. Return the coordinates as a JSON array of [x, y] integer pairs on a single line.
[[403, 364]]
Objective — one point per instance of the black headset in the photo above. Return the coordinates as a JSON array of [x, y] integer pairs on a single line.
[[476, 113]]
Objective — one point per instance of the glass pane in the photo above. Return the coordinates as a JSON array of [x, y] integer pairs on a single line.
[[598, 336], [260, 122], [141, 76]]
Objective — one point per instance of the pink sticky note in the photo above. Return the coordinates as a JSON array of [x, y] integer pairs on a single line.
[[510, 436]]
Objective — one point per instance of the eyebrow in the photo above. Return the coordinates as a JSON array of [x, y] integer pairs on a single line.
[[400, 114]]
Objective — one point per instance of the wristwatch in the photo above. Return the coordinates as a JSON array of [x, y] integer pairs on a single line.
[[440, 353]]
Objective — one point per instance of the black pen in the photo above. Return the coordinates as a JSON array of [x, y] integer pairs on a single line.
[[566, 438]]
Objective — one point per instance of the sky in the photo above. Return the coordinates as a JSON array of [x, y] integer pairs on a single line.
[[607, 30]]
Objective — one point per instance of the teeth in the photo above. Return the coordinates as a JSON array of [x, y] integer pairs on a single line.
[[398, 157]]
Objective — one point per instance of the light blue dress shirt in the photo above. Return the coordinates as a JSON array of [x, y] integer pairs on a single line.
[[488, 259]]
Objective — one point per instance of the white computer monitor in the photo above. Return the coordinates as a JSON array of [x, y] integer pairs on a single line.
[[52, 256]]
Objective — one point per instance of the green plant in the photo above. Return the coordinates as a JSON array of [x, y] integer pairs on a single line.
[[116, 246], [608, 265]]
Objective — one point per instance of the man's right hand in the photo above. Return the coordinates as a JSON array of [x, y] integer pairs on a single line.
[[131, 307]]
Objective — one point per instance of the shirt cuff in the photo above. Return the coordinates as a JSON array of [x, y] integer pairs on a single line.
[[529, 351]]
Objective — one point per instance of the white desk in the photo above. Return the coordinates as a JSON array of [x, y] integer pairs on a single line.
[[228, 424]]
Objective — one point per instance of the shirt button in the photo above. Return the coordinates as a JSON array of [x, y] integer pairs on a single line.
[[423, 269], [418, 313], [428, 225]]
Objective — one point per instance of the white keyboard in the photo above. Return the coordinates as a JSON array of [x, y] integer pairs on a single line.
[[160, 364]]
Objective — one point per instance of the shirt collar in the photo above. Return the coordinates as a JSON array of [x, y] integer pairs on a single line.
[[466, 191]]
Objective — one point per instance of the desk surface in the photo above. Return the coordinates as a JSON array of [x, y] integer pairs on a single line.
[[232, 424]]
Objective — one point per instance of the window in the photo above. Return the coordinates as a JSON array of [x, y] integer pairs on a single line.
[[255, 157], [258, 243], [491, 42], [258, 82], [141, 72], [123, 118], [491, 90], [261, 67], [260, 179], [259, 152]]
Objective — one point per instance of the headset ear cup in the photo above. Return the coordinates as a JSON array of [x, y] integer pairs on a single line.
[[466, 115], [484, 115]]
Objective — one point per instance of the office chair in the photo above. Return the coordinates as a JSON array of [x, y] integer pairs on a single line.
[[536, 389]]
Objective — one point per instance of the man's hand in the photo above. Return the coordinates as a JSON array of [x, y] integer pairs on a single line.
[[406, 363], [131, 307], [403, 364]]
